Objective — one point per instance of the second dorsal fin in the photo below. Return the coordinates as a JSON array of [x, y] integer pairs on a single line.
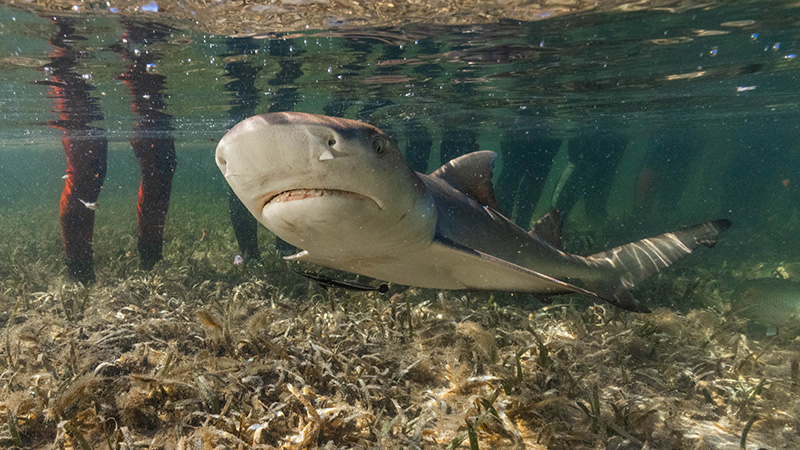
[[472, 175], [548, 228]]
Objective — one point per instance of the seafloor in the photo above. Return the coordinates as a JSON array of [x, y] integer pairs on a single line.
[[203, 354]]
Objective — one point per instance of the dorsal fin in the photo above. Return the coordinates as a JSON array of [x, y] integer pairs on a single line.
[[549, 227], [472, 175]]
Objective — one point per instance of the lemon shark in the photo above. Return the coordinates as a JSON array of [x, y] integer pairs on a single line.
[[341, 191]]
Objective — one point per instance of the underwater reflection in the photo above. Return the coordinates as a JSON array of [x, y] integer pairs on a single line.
[[594, 156], [86, 145], [152, 142], [527, 147], [243, 74]]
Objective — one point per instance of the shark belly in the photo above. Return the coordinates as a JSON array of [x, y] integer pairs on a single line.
[[447, 265]]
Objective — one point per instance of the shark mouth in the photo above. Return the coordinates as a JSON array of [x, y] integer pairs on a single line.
[[301, 194]]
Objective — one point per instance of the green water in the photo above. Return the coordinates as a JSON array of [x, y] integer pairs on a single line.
[[702, 106]]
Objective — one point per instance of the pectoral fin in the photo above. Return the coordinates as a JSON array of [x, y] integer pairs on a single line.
[[477, 270], [302, 255]]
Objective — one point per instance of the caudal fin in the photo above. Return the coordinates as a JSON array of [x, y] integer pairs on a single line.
[[638, 260]]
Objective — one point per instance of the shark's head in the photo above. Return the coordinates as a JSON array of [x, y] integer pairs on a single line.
[[337, 188]]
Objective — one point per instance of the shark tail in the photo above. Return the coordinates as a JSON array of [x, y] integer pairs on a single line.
[[638, 260]]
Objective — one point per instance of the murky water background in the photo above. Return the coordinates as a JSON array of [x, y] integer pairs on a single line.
[[650, 119]]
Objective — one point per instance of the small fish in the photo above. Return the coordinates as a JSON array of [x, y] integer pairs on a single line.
[[327, 282], [772, 302], [89, 205], [238, 260]]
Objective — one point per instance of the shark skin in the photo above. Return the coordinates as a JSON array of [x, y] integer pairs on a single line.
[[340, 190]]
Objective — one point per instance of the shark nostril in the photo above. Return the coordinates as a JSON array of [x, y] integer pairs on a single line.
[[327, 152], [221, 161]]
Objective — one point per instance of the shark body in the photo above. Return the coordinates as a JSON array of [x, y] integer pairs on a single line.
[[341, 191]]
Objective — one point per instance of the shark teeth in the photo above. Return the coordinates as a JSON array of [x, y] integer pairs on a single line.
[[300, 194]]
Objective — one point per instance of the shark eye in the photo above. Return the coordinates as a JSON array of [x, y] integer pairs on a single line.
[[379, 144], [331, 142]]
